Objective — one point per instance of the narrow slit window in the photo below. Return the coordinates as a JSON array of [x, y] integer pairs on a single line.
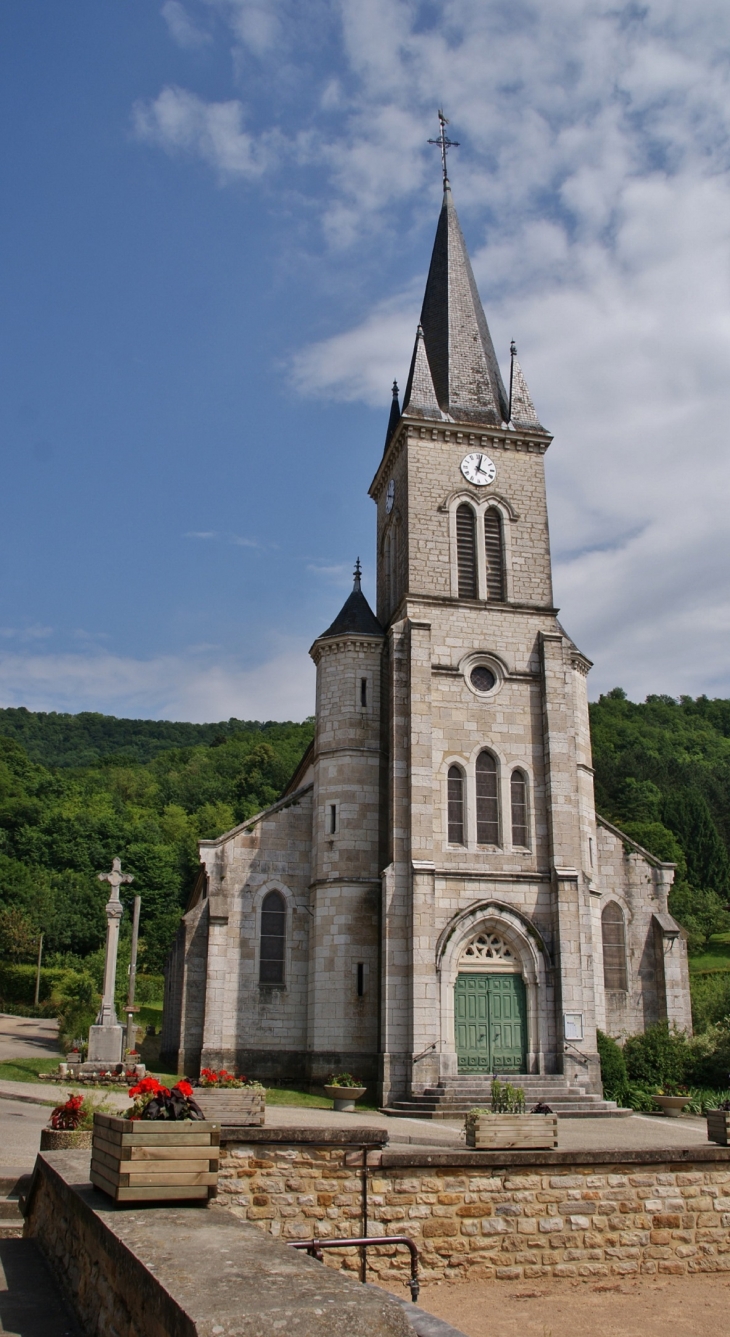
[[518, 797], [332, 819], [487, 800], [613, 932], [273, 939], [360, 978], [466, 551], [456, 806], [363, 691], [494, 553]]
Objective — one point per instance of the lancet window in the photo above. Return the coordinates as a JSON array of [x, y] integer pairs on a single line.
[[518, 803], [273, 939], [613, 932], [456, 805], [487, 800]]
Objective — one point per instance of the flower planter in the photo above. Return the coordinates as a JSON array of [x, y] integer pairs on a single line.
[[345, 1097], [57, 1139], [236, 1106], [491, 1132], [146, 1159], [718, 1127], [672, 1105]]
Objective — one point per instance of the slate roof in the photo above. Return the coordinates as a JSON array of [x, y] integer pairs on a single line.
[[356, 616], [464, 371]]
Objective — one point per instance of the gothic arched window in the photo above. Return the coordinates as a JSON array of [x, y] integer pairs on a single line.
[[494, 553], [273, 939], [456, 805], [466, 551], [613, 932], [487, 800], [518, 803]]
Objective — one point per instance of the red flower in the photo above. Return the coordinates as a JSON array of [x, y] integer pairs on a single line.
[[184, 1088], [148, 1086]]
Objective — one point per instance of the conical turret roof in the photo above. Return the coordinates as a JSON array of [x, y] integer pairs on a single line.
[[463, 367], [356, 615], [522, 408]]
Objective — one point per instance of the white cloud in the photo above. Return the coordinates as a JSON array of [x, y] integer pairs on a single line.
[[359, 363], [180, 122], [166, 687], [182, 28]]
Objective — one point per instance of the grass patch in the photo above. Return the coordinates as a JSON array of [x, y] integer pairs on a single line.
[[150, 1014], [715, 957], [26, 1069], [305, 1099]]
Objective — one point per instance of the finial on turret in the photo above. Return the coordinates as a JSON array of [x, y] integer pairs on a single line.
[[358, 573], [395, 389], [444, 143]]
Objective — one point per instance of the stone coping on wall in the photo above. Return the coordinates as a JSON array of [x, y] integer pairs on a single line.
[[187, 1270], [358, 1136], [605, 1156]]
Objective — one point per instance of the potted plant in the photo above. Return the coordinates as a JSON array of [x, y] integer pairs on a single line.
[[718, 1124], [344, 1090], [232, 1100], [506, 1125], [672, 1098], [69, 1127], [162, 1148]]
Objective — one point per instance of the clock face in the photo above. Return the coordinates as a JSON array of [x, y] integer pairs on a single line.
[[478, 469], [390, 496]]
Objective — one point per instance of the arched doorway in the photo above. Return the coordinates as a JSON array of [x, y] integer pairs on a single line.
[[490, 1007]]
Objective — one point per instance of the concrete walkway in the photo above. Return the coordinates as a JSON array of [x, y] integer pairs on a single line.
[[28, 1037]]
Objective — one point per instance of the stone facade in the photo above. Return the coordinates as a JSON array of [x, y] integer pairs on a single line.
[[383, 901], [478, 1216]]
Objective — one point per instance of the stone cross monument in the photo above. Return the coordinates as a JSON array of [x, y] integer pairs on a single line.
[[106, 1036]]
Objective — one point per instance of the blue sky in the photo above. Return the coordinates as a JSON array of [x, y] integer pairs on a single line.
[[217, 217]]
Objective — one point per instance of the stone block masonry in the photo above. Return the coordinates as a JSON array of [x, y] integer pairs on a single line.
[[492, 1215]]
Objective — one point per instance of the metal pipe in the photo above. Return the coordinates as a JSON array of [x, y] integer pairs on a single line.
[[314, 1249], [38, 972], [131, 1009]]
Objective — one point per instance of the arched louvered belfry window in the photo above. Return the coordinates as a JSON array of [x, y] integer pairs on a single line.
[[466, 551], [487, 800], [456, 805], [613, 932], [494, 553], [273, 939], [518, 803]]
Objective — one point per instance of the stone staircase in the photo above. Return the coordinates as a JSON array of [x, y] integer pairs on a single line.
[[454, 1099], [12, 1185]]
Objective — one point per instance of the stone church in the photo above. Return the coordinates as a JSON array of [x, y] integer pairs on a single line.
[[434, 899]]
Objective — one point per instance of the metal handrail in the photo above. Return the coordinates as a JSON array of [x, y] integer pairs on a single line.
[[314, 1249]]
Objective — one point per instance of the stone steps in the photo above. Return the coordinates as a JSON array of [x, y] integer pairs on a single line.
[[454, 1099], [11, 1217]]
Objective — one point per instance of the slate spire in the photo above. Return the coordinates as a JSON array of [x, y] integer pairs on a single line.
[[356, 615], [394, 418], [522, 409], [420, 397], [463, 367]]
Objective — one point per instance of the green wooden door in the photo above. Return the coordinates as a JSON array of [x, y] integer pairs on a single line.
[[490, 1023]]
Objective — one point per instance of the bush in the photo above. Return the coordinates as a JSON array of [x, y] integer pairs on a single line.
[[17, 982], [659, 1055], [710, 999], [701, 913], [614, 1076], [77, 1003]]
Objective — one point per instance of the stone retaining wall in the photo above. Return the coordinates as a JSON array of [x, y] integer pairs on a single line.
[[493, 1215]]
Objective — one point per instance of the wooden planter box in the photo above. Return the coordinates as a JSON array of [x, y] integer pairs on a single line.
[[492, 1132], [141, 1160], [235, 1106], [718, 1126]]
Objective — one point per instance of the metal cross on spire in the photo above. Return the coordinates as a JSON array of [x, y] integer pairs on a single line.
[[444, 143]]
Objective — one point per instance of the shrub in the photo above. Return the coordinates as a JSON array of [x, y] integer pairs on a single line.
[[710, 999], [507, 1099], [659, 1055], [614, 1076]]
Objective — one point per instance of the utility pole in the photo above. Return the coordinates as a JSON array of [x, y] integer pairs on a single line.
[[38, 971], [130, 1008]]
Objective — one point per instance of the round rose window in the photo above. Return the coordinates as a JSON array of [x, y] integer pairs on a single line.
[[482, 679]]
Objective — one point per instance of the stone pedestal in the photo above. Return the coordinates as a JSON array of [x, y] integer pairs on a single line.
[[106, 1044]]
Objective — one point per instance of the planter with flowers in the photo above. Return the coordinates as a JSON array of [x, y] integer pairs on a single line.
[[70, 1126], [672, 1099], [230, 1099], [507, 1125], [344, 1090], [164, 1147]]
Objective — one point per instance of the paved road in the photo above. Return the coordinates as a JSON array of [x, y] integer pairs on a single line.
[[28, 1037]]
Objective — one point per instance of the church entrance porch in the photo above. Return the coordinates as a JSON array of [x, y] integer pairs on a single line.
[[490, 1022]]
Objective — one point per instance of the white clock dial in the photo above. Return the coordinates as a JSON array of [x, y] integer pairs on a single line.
[[478, 469], [390, 496]]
